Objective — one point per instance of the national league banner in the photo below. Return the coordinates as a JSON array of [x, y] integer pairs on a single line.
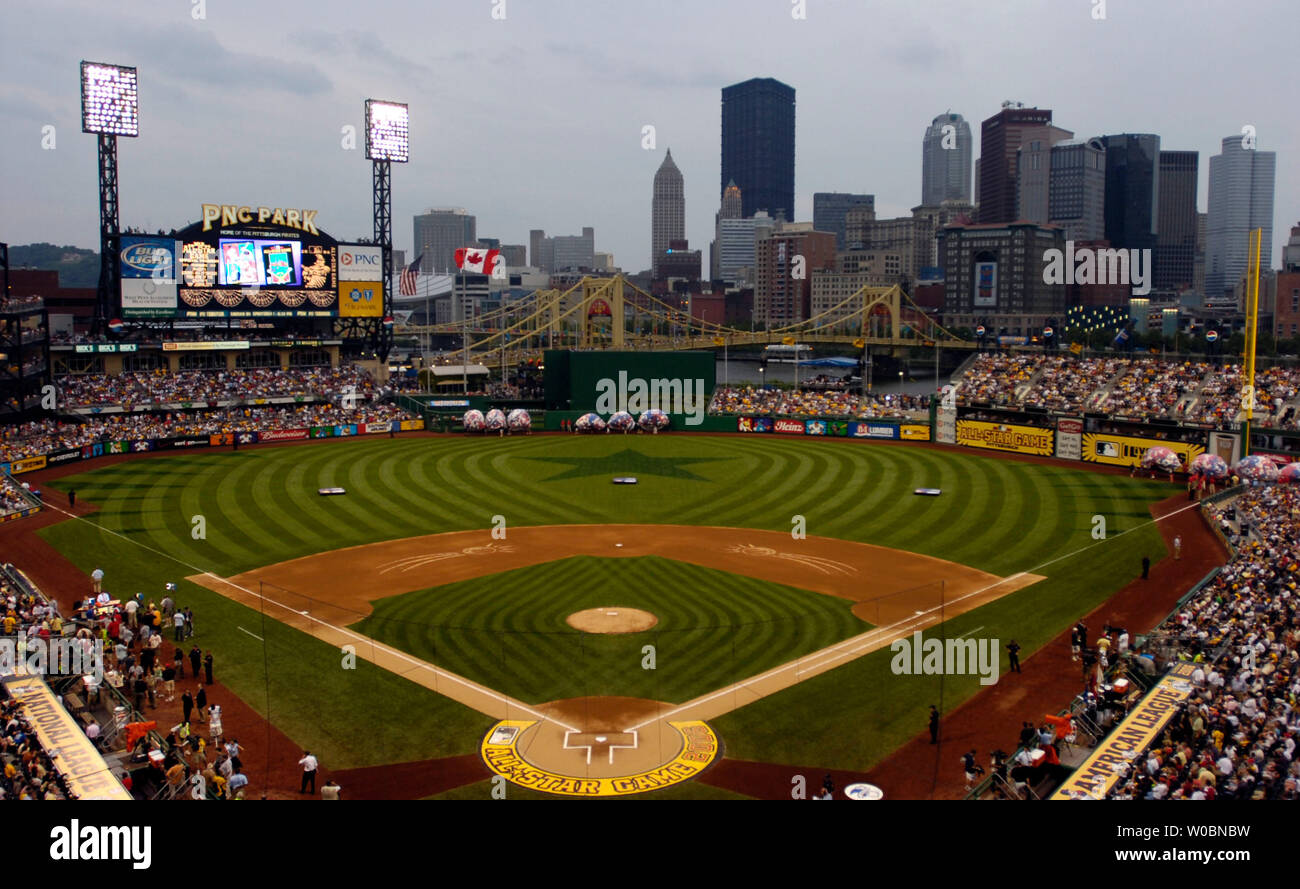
[[475, 259]]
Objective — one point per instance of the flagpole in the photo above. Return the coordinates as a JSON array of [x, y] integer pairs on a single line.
[[464, 335]]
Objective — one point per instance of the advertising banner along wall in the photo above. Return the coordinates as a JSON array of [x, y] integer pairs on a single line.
[[1127, 450], [1119, 752], [1005, 437], [1069, 438]]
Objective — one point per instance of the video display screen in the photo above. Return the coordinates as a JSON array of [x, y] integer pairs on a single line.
[[249, 262]]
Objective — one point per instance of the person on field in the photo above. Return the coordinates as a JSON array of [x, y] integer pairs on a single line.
[[207, 668], [178, 622], [72, 498], [1013, 655], [331, 789], [934, 724], [196, 659], [1146, 567], [309, 766], [973, 769]]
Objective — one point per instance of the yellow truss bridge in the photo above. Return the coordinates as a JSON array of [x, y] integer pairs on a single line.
[[613, 313]]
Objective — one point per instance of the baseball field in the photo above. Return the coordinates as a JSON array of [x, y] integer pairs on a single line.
[[503, 599]]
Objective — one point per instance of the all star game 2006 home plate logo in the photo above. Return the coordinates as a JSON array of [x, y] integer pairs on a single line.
[[699, 748]]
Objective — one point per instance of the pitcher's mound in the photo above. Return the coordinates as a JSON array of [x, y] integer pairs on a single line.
[[612, 619]]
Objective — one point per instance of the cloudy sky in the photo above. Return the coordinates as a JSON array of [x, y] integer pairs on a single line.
[[535, 120]]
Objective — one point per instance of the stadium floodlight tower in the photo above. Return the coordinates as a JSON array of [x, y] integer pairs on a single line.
[[110, 107], [387, 140]]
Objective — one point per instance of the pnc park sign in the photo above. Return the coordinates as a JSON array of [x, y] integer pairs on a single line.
[[227, 215]]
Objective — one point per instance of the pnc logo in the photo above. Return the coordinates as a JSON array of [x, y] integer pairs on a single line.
[[347, 257], [673, 396]]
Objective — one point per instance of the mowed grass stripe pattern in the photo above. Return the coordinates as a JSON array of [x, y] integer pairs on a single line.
[[509, 631], [259, 506]]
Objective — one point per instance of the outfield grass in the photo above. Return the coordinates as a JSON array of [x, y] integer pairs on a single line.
[[260, 506], [508, 631]]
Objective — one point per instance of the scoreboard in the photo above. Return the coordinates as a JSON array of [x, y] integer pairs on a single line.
[[238, 266]]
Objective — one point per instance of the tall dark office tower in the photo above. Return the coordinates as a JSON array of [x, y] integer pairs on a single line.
[[1175, 255], [830, 207], [758, 145], [1132, 190], [1000, 139]]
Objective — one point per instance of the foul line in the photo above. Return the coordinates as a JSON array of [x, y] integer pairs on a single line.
[[254, 635], [401, 656], [864, 640], [831, 650]]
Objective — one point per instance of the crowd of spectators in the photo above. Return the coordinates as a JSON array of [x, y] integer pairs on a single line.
[[45, 436], [162, 387], [1150, 389], [12, 496], [1235, 738], [1144, 388], [994, 379], [20, 302], [1067, 384], [812, 403], [28, 772]]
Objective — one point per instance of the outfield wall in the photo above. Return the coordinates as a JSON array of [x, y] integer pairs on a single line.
[[215, 440]]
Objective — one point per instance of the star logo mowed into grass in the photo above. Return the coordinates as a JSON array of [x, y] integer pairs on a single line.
[[626, 462]]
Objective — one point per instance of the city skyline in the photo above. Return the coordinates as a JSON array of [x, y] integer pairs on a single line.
[[518, 165]]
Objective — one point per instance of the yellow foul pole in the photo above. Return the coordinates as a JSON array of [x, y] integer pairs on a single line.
[[1252, 331]]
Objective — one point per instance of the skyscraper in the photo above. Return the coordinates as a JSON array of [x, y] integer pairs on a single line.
[[1241, 199], [1175, 254], [731, 207], [1034, 171], [758, 145], [733, 204], [667, 212], [1077, 189], [946, 160], [439, 233], [1000, 138], [1132, 190], [830, 207]]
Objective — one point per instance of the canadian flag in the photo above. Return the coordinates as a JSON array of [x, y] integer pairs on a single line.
[[474, 259]]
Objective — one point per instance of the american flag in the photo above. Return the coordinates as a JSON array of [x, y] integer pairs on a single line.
[[406, 287]]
